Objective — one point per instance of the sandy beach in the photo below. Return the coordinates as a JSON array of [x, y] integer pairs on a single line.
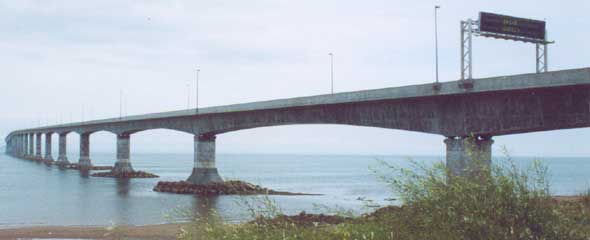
[[162, 231]]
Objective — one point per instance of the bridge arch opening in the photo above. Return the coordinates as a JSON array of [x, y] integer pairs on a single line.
[[162, 140], [329, 139], [161, 151], [103, 145]]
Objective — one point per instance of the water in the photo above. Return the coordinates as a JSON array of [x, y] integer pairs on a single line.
[[33, 194]]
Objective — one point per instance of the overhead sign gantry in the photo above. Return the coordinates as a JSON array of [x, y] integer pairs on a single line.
[[503, 27]]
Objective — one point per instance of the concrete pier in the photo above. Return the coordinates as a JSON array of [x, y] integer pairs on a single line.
[[123, 164], [10, 147], [18, 145], [62, 159], [204, 170], [31, 146], [465, 155], [38, 155], [48, 158], [84, 161], [25, 146], [21, 146]]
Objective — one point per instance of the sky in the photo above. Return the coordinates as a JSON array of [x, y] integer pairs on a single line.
[[64, 61]]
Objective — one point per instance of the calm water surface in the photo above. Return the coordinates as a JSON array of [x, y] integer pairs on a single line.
[[33, 194]]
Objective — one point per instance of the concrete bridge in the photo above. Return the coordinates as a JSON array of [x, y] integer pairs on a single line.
[[469, 113]]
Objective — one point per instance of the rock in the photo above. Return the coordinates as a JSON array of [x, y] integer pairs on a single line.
[[135, 174], [225, 188]]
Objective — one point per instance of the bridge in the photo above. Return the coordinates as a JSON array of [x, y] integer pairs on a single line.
[[469, 113]]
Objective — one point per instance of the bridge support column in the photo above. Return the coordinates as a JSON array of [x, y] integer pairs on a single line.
[[17, 146], [30, 146], [24, 146], [30, 142], [10, 147], [204, 170], [467, 155], [21, 145], [84, 161], [123, 164], [62, 159], [48, 158], [38, 155]]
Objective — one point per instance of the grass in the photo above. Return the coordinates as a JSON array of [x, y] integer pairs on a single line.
[[498, 202]]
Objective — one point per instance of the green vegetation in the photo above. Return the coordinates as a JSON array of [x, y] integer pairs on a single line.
[[504, 202]]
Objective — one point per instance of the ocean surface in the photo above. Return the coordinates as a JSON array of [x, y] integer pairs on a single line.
[[34, 194]]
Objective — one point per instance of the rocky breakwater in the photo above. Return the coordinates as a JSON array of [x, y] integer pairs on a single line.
[[75, 166], [134, 174], [225, 188]]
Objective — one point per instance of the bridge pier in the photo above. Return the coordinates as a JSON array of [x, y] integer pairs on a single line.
[[30, 142], [62, 159], [465, 155], [123, 164], [204, 170], [24, 146], [21, 145], [48, 158], [84, 162], [16, 146], [38, 155], [10, 147]]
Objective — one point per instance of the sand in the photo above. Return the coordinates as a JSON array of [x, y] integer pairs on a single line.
[[162, 231]]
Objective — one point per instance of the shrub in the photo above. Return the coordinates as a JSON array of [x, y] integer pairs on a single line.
[[501, 201]]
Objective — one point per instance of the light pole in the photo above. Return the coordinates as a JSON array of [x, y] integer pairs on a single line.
[[188, 95], [120, 104], [197, 92], [332, 70], [436, 7]]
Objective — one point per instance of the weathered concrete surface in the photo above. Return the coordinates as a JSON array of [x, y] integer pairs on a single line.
[[204, 170], [84, 162], [62, 159], [48, 158], [123, 164], [38, 155], [465, 155], [488, 107], [494, 106], [32, 145]]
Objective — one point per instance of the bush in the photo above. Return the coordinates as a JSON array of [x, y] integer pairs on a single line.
[[496, 202]]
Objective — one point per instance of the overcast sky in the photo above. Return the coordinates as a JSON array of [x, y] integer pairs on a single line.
[[61, 60]]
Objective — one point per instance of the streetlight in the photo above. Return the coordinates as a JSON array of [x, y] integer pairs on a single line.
[[436, 7], [197, 92], [332, 70], [188, 95], [120, 104]]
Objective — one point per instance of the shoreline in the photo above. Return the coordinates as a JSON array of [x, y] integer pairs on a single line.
[[151, 231], [154, 231]]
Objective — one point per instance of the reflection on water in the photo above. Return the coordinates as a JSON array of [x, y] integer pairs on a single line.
[[122, 186], [84, 173], [204, 207], [36, 194]]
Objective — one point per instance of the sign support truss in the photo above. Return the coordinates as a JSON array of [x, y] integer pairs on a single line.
[[541, 56], [468, 28], [471, 27]]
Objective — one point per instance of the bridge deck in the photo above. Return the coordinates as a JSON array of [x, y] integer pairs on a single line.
[[504, 83]]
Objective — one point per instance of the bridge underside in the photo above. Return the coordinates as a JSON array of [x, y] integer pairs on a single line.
[[469, 118]]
